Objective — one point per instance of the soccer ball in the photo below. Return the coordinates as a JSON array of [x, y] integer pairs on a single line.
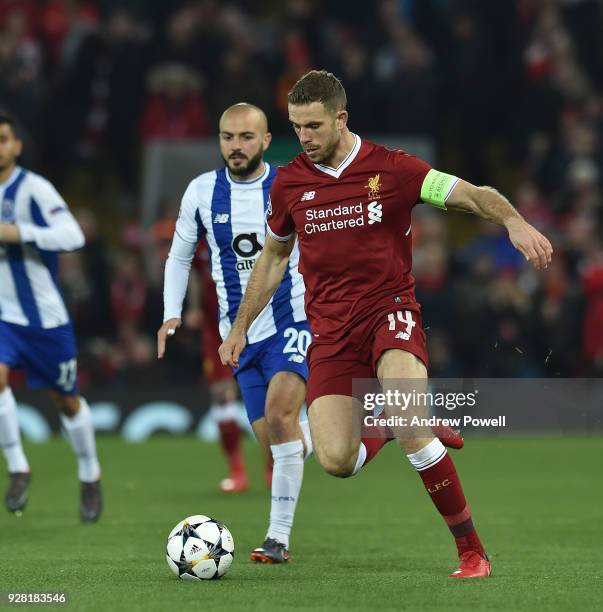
[[199, 548]]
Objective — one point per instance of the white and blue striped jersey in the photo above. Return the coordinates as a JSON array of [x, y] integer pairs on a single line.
[[29, 294], [231, 216]]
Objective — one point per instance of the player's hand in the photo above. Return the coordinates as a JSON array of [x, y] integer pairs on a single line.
[[530, 242], [231, 349], [165, 331]]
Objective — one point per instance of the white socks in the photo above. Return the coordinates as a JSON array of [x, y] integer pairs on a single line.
[[428, 456], [79, 430], [81, 435], [305, 427], [10, 438], [361, 458], [287, 475]]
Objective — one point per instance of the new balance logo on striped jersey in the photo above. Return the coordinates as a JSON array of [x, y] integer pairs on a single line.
[[221, 218], [308, 195]]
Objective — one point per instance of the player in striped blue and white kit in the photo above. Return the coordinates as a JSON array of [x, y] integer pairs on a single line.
[[35, 330], [227, 207]]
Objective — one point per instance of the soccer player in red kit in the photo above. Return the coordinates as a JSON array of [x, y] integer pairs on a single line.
[[223, 388], [349, 204], [219, 378]]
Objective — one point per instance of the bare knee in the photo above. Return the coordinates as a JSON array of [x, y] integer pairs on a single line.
[[281, 420], [285, 397], [338, 463], [69, 405]]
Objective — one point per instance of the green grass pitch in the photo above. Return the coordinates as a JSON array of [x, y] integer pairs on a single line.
[[366, 543]]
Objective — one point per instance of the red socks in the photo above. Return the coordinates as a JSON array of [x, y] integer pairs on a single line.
[[373, 446], [437, 471], [230, 438], [374, 439]]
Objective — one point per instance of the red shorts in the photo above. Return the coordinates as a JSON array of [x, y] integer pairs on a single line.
[[333, 367], [213, 370]]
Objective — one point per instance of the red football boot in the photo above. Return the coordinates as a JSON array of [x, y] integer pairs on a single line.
[[237, 482], [472, 565], [449, 437]]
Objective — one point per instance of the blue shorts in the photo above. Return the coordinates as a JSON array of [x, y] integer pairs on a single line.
[[47, 355], [284, 351]]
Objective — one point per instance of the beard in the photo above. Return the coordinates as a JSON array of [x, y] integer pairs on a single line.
[[244, 170], [326, 153]]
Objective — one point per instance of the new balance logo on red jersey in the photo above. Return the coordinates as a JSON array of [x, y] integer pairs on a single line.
[[308, 195], [375, 213]]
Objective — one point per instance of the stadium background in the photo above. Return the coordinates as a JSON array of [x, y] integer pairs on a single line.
[[502, 92], [118, 105]]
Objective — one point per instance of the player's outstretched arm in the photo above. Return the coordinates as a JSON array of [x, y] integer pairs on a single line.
[[489, 204], [267, 275]]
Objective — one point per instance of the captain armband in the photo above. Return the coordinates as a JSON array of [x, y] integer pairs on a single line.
[[436, 188]]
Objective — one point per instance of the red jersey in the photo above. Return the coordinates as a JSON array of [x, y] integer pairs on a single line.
[[353, 225], [213, 369], [209, 299]]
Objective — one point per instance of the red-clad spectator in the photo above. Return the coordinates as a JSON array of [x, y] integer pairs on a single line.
[[534, 206], [592, 328], [27, 8], [21, 61], [60, 18], [296, 54], [176, 109], [128, 289]]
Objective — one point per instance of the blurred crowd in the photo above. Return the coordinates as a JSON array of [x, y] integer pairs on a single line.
[[509, 91]]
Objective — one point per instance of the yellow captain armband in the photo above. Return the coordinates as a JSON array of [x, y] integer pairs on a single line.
[[436, 188]]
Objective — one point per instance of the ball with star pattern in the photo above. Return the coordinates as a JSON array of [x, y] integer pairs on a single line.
[[199, 548]]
